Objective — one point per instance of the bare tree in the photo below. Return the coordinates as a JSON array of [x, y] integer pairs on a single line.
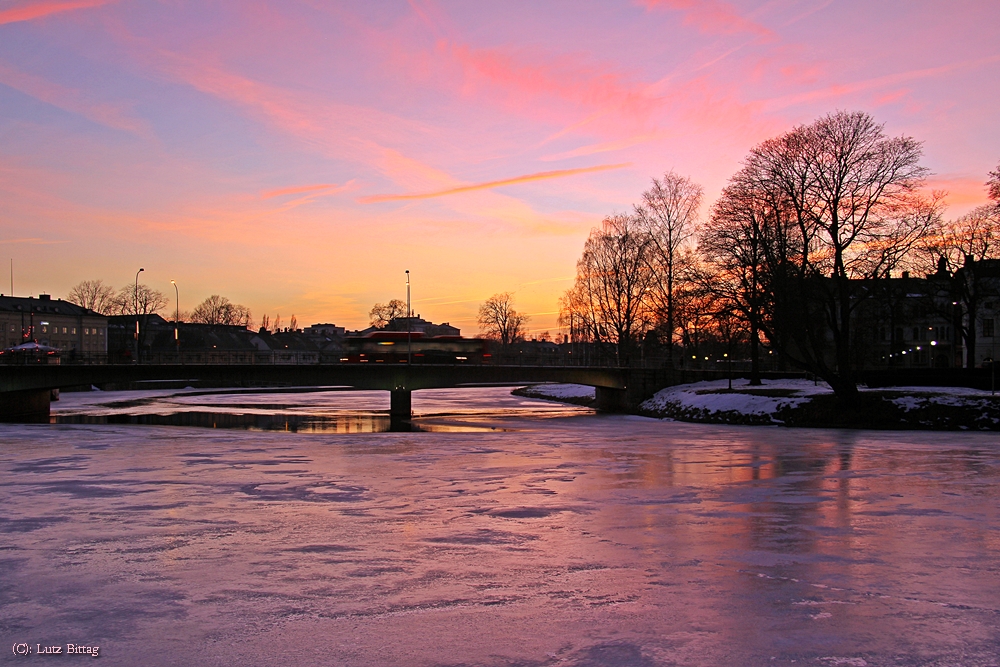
[[499, 321], [733, 245], [842, 198], [382, 314], [93, 294], [220, 310], [993, 186], [139, 300], [668, 214], [265, 323], [613, 282]]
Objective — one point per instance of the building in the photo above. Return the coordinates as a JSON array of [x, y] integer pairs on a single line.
[[415, 325], [72, 329], [943, 320], [325, 330]]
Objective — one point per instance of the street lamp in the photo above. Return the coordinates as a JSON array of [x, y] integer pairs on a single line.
[[177, 316], [135, 302], [409, 321], [993, 363]]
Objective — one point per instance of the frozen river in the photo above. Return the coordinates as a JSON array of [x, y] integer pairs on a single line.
[[514, 533]]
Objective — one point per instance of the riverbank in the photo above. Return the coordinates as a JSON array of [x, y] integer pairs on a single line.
[[802, 403]]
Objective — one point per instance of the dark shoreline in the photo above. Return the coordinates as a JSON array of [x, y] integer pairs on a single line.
[[876, 411]]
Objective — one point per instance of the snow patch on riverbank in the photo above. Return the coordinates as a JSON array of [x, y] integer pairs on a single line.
[[713, 400], [715, 396], [578, 394], [772, 401]]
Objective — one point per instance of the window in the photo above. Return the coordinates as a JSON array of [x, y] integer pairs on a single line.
[[988, 326], [64, 329], [45, 329], [74, 331]]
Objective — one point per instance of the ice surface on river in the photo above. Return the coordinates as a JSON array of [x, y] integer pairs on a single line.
[[581, 541]]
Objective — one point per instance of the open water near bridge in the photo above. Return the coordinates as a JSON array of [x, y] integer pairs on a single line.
[[518, 533]]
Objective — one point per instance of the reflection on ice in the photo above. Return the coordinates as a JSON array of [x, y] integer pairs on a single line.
[[579, 541], [322, 410]]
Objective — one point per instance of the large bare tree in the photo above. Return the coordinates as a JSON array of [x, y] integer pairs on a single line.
[[93, 294], [842, 201], [614, 278], [668, 214], [499, 321]]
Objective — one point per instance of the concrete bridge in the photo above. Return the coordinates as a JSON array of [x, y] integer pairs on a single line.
[[25, 390]]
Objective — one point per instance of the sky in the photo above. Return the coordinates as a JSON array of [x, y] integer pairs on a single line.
[[298, 157]]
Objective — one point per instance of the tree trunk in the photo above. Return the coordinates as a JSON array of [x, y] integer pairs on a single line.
[[754, 352]]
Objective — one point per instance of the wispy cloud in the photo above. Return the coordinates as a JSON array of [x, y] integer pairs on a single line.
[[36, 10], [345, 131], [840, 90], [607, 146], [488, 185], [270, 194], [711, 16], [30, 241], [110, 115]]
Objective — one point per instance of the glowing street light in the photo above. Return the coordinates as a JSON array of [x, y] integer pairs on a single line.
[[409, 321], [135, 302], [177, 316]]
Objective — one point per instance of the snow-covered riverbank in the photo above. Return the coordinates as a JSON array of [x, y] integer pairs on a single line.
[[804, 403]]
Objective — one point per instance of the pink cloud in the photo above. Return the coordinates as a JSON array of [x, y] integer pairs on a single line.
[[37, 10], [711, 16], [528, 78]]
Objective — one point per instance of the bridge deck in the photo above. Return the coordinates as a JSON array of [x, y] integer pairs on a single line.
[[362, 376]]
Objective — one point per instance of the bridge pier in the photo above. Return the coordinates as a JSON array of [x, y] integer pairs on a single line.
[[640, 384], [400, 409], [30, 406], [609, 399]]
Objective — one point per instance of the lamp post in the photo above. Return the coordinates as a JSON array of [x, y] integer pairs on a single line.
[[135, 303], [409, 321], [177, 316]]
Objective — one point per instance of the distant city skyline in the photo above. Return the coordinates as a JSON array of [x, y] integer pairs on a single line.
[[297, 158]]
